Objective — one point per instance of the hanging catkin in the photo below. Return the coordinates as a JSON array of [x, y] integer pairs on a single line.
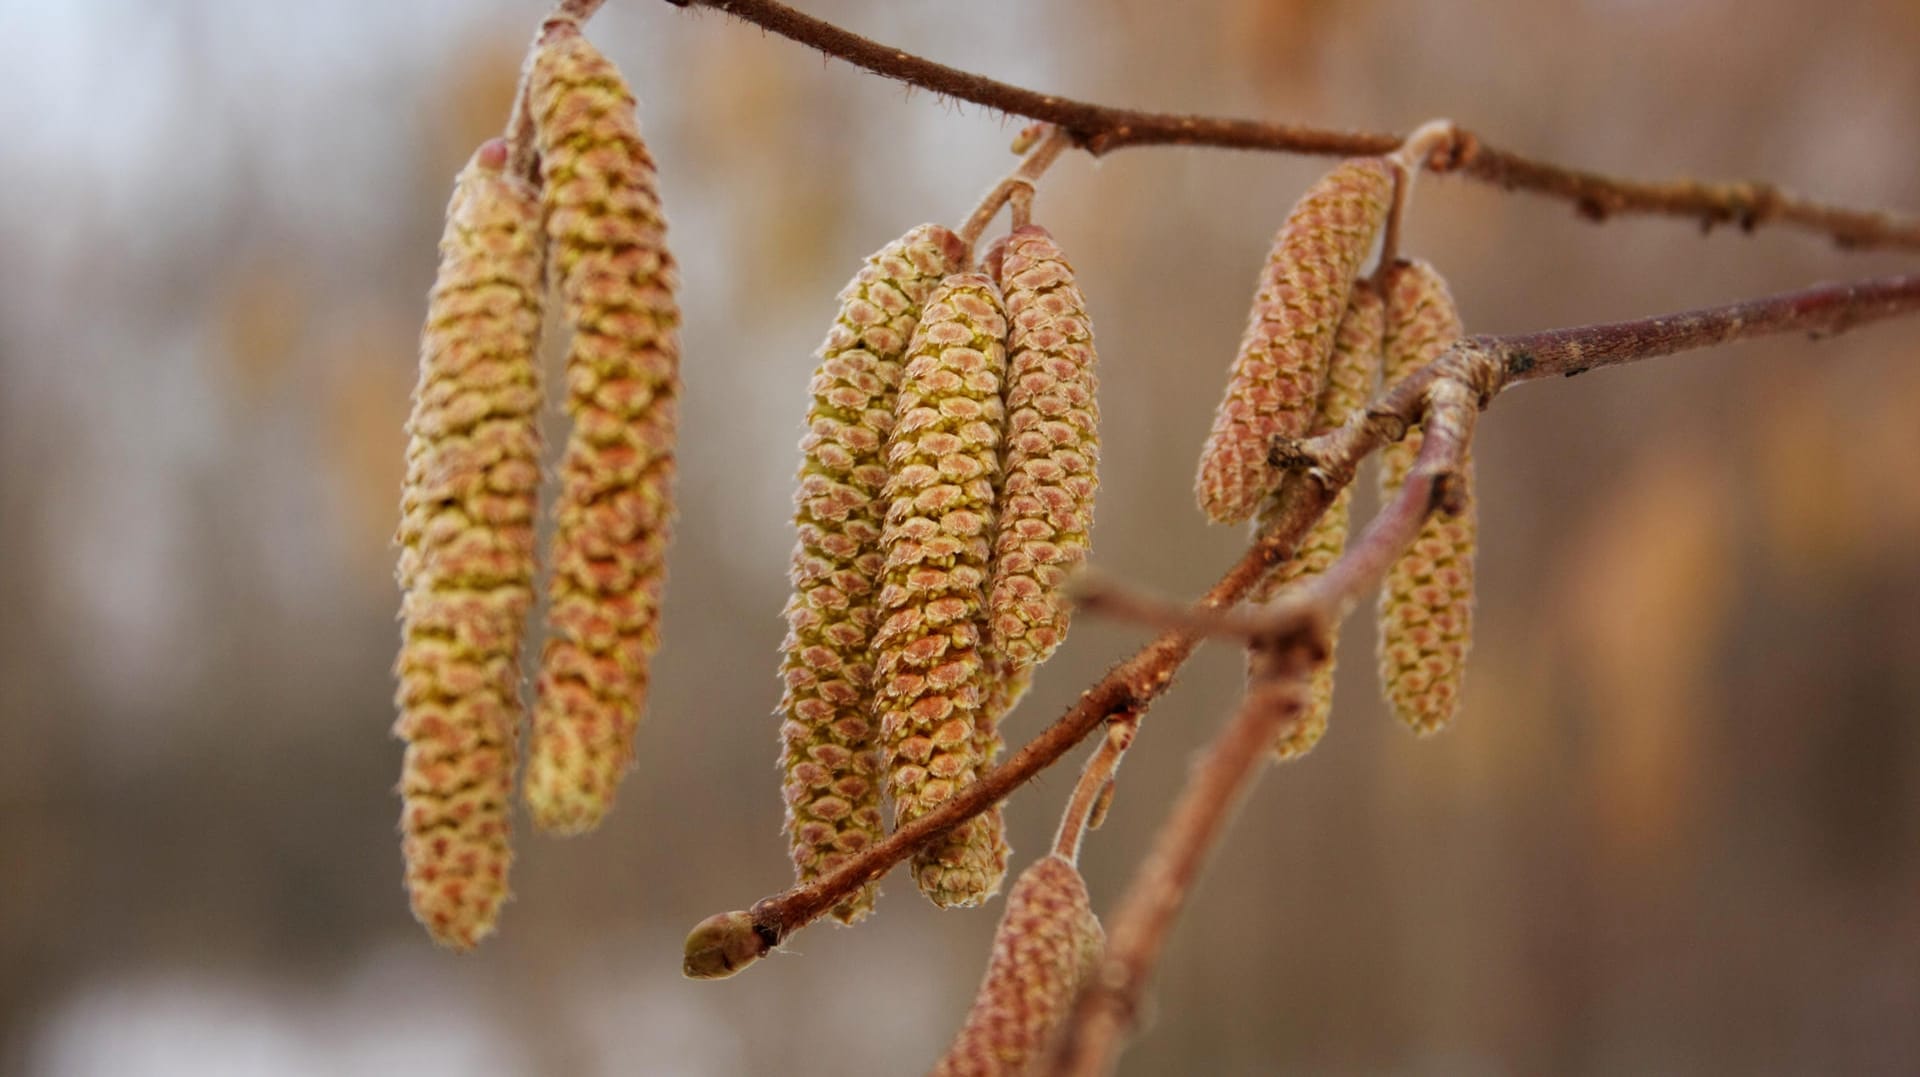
[[1426, 603], [930, 666], [830, 747], [1047, 944], [1276, 380], [1350, 377], [1052, 451], [614, 509], [466, 551]]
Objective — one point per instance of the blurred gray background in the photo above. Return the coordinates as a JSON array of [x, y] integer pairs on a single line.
[[1676, 830]]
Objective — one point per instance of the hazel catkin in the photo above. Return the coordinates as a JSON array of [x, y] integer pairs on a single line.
[[1047, 945], [1275, 384], [614, 511], [1350, 377], [1426, 602], [943, 459], [1052, 449], [467, 551], [830, 751]]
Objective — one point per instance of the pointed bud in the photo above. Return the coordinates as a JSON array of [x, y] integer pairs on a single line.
[[830, 744], [615, 507], [1426, 603], [1276, 381], [466, 551]]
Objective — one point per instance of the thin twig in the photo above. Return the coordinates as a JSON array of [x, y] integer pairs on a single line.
[[1096, 778], [1107, 1008], [1022, 179], [1101, 129]]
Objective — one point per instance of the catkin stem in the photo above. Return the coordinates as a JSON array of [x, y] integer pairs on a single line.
[[1038, 159], [1095, 778]]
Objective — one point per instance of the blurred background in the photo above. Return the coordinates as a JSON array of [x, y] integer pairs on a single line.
[[1675, 830]]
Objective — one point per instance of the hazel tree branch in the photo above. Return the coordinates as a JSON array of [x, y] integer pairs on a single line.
[[1101, 129], [1108, 1006], [1446, 394]]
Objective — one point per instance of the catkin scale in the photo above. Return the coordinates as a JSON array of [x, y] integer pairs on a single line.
[[1052, 448], [1426, 602], [1350, 377], [1047, 945], [1275, 384], [614, 511], [830, 754], [929, 657], [467, 551]]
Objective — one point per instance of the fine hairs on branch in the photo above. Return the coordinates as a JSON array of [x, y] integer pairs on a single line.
[[943, 511]]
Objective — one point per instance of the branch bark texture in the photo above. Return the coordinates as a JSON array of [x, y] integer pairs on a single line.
[[1101, 129]]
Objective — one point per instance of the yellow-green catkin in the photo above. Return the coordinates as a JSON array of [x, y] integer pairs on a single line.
[[1350, 377], [830, 747], [1052, 451], [1275, 385], [467, 551], [930, 661], [614, 511], [1426, 603], [1048, 944]]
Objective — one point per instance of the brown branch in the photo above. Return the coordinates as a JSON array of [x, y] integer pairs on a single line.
[[723, 944], [1100, 129], [1107, 1008], [1296, 638], [1826, 310]]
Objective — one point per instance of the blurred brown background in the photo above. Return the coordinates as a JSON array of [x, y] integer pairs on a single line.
[[1677, 829]]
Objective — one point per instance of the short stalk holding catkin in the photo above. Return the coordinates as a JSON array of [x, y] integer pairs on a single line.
[[1275, 384], [614, 512], [1052, 449], [830, 750], [1047, 944], [929, 657], [1426, 601], [1350, 377], [467, 551]]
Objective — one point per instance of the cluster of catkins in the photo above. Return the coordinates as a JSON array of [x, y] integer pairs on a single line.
[[467, 562], [945, 494], [1318, 337]]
